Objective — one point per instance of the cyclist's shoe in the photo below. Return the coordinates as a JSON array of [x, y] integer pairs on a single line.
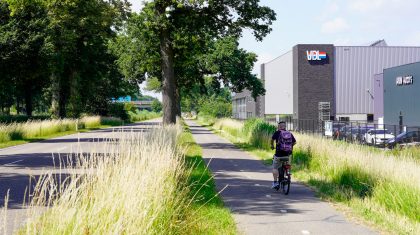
[[275, 185]]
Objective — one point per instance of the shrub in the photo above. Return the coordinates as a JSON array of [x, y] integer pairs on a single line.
[[138, 116], [118, 110]]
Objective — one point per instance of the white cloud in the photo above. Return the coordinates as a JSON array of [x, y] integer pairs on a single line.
[[334, 26]]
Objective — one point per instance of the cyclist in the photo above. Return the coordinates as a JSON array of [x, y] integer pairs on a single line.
[[284, 148]]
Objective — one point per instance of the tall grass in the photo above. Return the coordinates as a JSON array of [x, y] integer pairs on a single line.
[[207, 120], [142, 185], [138, 116], [137, 188], [36, 129], [382, 186]]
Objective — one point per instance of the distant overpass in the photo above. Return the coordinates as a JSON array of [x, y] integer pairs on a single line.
[[143, 104]]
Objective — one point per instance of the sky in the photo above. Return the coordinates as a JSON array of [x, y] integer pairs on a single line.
[[338, 22]]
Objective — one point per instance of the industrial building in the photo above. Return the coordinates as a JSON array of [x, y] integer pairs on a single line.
[[401, 95], [323, 81]]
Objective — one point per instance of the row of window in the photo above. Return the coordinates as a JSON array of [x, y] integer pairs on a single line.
[[239, 108]]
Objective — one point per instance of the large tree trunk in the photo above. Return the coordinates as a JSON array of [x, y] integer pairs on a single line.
[[74, 103], [168, 75], [55, 96], [28, 100], [178, 102]]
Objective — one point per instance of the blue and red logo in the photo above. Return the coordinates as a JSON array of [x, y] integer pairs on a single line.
[[316, 55]]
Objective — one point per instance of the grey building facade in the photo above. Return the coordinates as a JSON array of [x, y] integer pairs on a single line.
[[402, 94], [355, 69], [243, 105], [343, 77]]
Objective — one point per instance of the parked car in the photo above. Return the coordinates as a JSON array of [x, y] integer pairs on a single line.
[[356, 134], [377, 136], [404, 138]]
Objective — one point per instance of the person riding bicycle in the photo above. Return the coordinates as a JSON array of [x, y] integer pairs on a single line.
[[284, 148]]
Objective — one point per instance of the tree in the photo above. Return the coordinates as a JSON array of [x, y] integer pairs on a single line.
[[83, 73], [170, 37], [23, 33]]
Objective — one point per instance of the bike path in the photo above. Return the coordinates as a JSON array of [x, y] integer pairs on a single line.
[[256, 208]]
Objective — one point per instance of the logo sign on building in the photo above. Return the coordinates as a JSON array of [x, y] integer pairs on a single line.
[[316, 55], [406, 80]]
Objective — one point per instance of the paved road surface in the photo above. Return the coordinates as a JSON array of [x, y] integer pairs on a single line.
[[19, 162], [259, 210]]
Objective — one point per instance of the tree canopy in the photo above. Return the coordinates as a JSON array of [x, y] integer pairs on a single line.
[[180, 42]]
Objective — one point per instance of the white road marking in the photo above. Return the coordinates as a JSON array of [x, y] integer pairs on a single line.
[[306, 232], [283, 211], [257, 184], [236, 165], [61, 149], [12, 162], [241, 170], [268, 195]]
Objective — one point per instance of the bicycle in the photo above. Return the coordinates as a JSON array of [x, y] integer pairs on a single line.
[[285, 177]]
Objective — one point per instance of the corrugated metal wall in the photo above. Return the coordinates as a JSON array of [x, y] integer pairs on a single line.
[[402, 98], [378, 94], [354, 71]]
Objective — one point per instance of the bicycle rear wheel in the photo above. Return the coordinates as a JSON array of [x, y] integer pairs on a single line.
[[285, 185]]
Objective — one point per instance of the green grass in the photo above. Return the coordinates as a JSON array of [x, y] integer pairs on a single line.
[[208, 208], [35, 131], [138, 116], [50, 136], [382, 187]]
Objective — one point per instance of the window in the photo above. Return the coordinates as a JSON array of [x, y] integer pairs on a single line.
[[344, 119]]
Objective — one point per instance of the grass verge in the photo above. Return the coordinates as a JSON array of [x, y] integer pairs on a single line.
[[208, 208], [153, 182], [35, 131], [381, 187]]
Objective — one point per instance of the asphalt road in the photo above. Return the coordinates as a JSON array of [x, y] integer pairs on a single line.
[[19, 163], [257, 208]]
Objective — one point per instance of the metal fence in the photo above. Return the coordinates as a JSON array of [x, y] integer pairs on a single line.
[[358, 132]]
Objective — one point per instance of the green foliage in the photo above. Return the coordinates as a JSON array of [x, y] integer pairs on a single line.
[[156, 106], [118, 110], [138, 116], [208, 100], [21, 118], [215, 107], [197, 38], [55, 53]]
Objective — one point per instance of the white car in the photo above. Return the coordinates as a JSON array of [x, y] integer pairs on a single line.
[[378, 136]]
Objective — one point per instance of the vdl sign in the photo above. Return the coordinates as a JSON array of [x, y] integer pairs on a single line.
[[406, 80], [316, 55]]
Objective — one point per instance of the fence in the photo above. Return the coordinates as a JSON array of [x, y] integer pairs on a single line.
[[359, 132]]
